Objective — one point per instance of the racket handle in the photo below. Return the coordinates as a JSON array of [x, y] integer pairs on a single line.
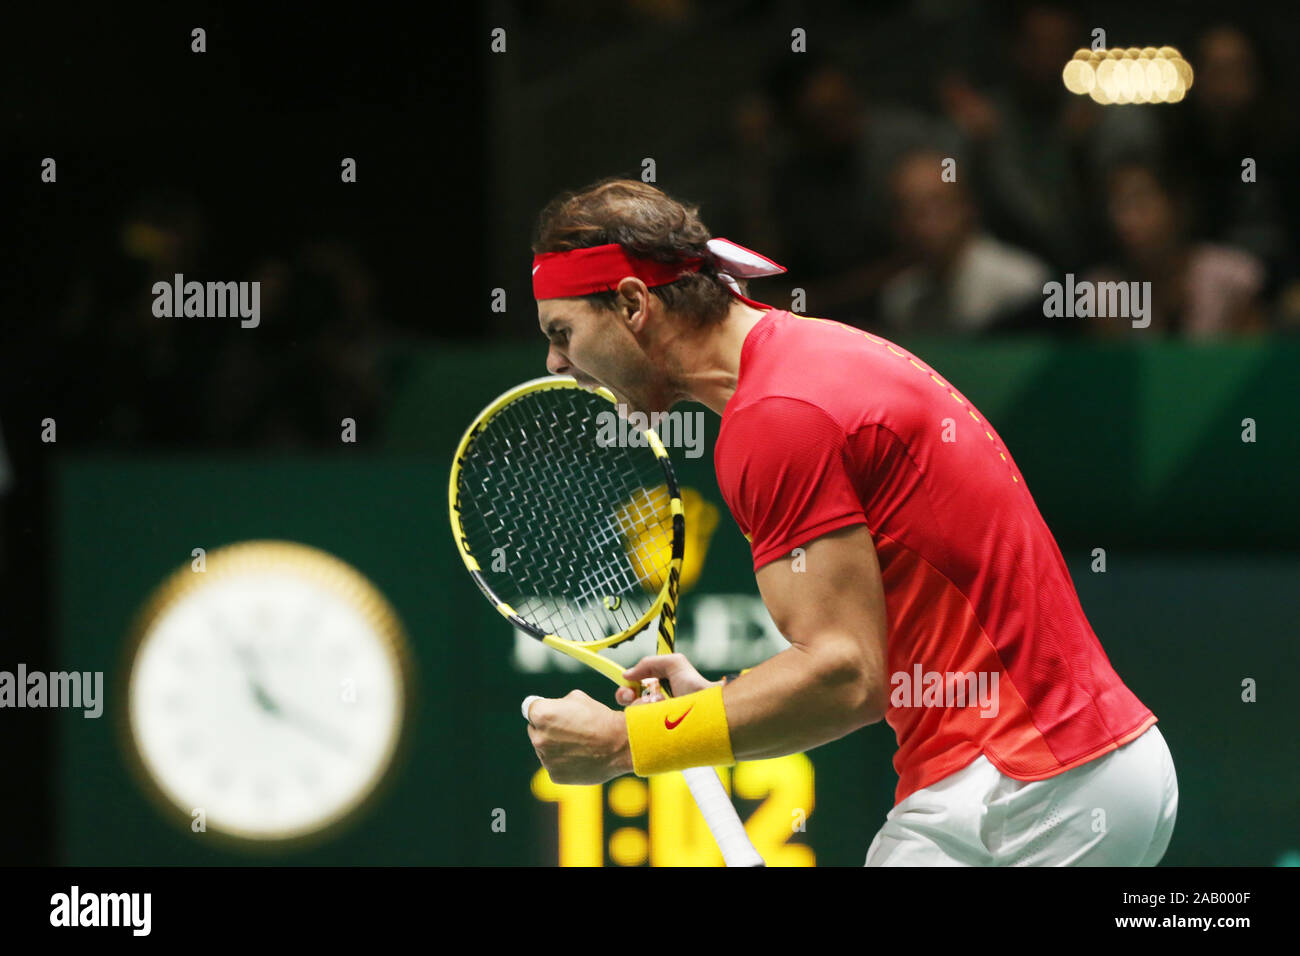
[[720, 814], [715, 806]]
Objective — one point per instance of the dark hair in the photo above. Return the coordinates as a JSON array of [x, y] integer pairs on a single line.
[[647, 223]]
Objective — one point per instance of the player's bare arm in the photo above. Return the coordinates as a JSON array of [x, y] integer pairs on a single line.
[[828, 683], [830, 606]]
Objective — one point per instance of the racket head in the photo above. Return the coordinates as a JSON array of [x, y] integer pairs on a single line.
[[576, 541]]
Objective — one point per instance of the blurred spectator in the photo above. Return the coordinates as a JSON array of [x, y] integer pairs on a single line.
[[1037, 153], [124, 375], [1198, 290], [1233, 112], [829, 202], [959, 278], [312, 362], [746, 194]]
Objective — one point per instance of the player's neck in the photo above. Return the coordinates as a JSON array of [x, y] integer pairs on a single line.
[[709, 360]]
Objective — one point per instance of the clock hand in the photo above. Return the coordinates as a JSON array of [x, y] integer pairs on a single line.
[[314, 728], [309, 725], [248, 660], [264, 700]]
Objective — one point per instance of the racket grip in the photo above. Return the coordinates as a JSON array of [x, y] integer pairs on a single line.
[[720, 814]]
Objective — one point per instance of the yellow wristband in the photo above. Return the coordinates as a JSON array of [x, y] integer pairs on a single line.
[[687, 731]]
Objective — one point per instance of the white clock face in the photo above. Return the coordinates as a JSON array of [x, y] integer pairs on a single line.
[[267, 699]]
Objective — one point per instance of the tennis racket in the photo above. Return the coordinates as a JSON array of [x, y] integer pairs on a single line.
[[578, 540]]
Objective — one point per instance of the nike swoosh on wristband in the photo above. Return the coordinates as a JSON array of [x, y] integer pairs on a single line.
[[670, 724]]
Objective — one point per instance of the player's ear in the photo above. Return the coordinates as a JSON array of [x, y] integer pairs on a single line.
[[633, 303]]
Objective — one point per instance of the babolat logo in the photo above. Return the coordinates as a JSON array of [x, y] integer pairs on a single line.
[[668, 616], [463, 537], [469, 446]]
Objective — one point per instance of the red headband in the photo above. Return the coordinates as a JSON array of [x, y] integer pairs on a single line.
[[559, 275]]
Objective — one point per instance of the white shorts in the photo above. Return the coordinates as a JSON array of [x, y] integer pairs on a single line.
[[1117, 810]]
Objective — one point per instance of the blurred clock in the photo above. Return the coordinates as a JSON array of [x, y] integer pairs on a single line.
[[266, 694]]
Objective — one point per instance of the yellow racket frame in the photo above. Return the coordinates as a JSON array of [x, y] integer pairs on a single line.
[[665, 604]]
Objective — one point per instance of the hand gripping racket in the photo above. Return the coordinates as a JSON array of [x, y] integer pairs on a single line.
[[577, 538]]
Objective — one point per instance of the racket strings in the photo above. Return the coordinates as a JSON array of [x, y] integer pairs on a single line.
[[575, 534], [592, 585]]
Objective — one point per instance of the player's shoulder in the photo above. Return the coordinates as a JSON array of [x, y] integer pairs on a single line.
[[778, 408], [795, 353], [774, 426], [794, 382]]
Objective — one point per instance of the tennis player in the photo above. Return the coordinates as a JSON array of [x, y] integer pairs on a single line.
[[895, 543]]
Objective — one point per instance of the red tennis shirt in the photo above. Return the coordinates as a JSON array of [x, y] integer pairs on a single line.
[[831, 426]]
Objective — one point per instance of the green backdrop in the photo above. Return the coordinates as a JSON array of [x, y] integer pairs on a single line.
[[1134, 450]]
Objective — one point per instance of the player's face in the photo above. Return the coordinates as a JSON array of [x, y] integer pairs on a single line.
[[596, 347]]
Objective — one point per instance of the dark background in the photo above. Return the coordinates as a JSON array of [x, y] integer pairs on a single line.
[[237, 153]]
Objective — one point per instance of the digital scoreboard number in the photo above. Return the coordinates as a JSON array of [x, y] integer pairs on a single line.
[[633, 821]]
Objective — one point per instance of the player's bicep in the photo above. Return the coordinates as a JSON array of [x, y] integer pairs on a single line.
[[829, 602]]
